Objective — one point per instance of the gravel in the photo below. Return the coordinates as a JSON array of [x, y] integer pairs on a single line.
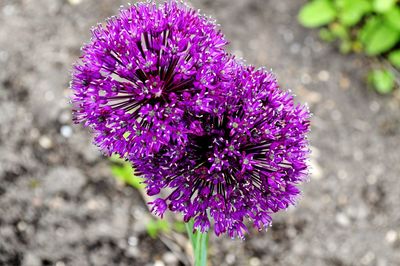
[[59, 204]]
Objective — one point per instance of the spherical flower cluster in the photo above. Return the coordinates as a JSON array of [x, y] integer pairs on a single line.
[[141, 73], [218, 138], [244, 162]]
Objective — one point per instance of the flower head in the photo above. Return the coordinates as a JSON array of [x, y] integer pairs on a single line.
[[157, 88], [142, 72], [245, 162]]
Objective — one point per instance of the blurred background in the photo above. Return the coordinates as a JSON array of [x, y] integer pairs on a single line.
[[63, 203]]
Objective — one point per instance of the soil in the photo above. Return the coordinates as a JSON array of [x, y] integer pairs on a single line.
[[60, 205]]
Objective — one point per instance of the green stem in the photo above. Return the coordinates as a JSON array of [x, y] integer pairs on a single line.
[[199, 243]]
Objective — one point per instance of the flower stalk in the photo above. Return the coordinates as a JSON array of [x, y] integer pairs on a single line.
[[199, 243]]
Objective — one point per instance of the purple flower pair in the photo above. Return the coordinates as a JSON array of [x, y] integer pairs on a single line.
[[219, 139]]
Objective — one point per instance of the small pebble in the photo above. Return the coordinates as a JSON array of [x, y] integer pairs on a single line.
[[21, 226], [9, 10], [342, 200], [342, 174], [309, 41], [358, 155], [316, 170], [368, 258], [133, 252], [374, 106], [342, 219], [65, 117], [295, 48], [49, 96], [344, 83], [381, 262], [45, 142], [66, 131], [305, 52], [31, 259], [254, 261], [361, 125], [371, 179], [391, 236], [75, 2], [329, 104], [323, 75], [336, 115], [288, 36], [34, 133], [170, 258], [230, 258], [310, 96], [132, 241], [159, 263], [305, 79], [331, 246], [3, 56]]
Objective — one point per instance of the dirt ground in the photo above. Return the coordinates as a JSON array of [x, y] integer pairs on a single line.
[[59, 204]]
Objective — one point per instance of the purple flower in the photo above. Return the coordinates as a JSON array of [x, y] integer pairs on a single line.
[[242, 162], [142, 72], [221, 139]]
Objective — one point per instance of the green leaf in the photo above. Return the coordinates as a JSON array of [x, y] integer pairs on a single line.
[[356, 46], [382, 80], [326, 35], [155, 227], [151, 228], [116, 159], [163, 225], [124, 172], [340, 31], [394, 58], [345, 46], [368, 28], [179, 227], [382, 6], [351, 11], [317, 13], [378, 37], [392, 17]]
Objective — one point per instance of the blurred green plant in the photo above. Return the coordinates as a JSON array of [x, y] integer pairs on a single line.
[[156, 226], [382, 80], [361, 26], [124, 172]]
